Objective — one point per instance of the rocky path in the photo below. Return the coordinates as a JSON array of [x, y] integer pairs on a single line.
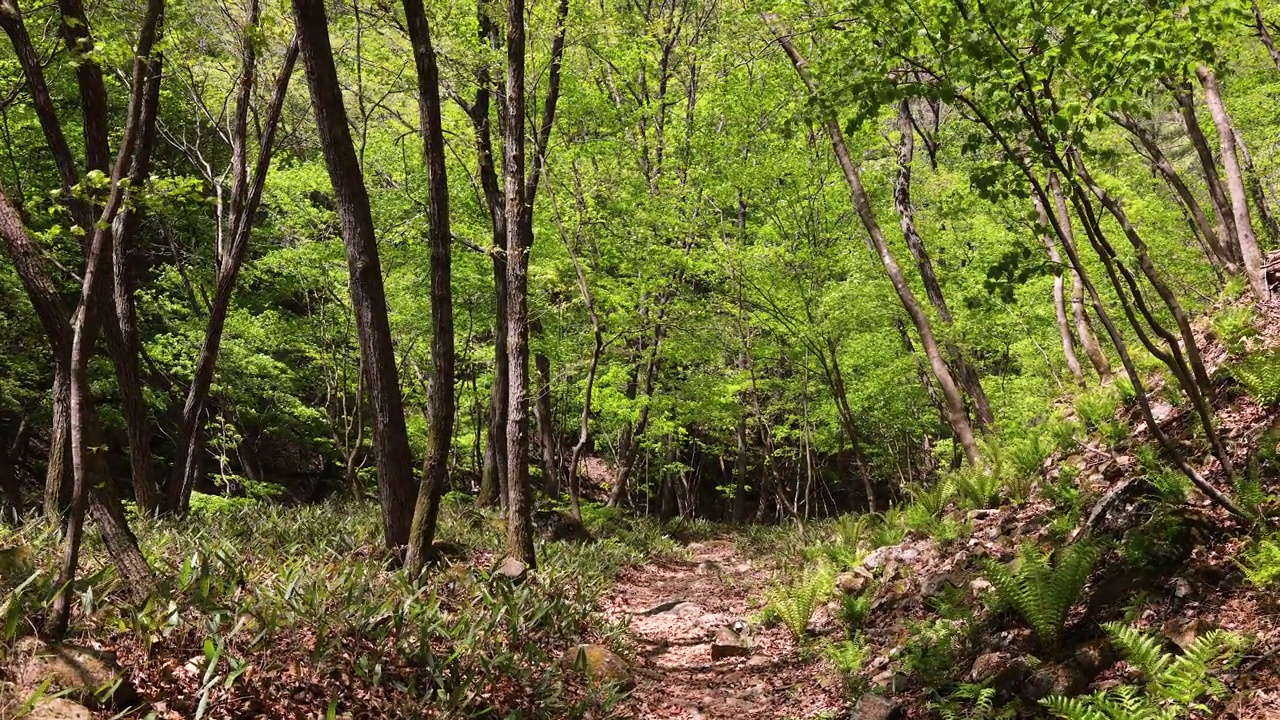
[[682, 616]]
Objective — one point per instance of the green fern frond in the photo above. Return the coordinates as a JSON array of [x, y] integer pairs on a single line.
[[1260, 375], [1043, 593]]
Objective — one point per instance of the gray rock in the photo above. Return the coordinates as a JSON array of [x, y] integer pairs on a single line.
[[512, 569], [729, 643], [598, 663], [58, 709], [873, 707]]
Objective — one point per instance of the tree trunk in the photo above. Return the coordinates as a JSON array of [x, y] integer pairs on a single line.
[[184, 474], [548, 441], [1250, 253], [396, 484], [435, 468], [519, 242], [11, 506], [1264, 33], [1059, 297], [956, 415], [1256, 189], [1226, 220], [1084, 332], [966, 375], [1162, 165]]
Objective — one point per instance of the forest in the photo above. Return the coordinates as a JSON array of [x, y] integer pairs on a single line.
[[602, 359]]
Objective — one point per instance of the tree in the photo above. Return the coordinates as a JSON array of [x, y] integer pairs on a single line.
[[368, 297]]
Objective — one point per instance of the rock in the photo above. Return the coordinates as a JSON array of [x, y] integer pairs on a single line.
[[757, 660], [729, 643], [980, 587], [1184, 633], [81, 671], [850, 583], [684, 609], [513, 570], [1054, 679], [892, 682], [558, 526], [873, 707], [1000, 670], [451, 551], [15, 563], [708, 567], [58, 709], [597, 662], [1094, 656]]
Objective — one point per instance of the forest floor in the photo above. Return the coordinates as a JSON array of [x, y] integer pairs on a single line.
[[676, 611]]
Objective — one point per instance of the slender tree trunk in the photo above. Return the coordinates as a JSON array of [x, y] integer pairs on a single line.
[[956, 415], [1250, 253], [245, 208], [1227, 233], [966, 375], [519, 241], [396, 484], [548, 443], [435, 469], [1264, 33], [1059, 297], [11, 506], [83, 330], [1220, 254], [1254, 181], [740, 470], [1084, 332]]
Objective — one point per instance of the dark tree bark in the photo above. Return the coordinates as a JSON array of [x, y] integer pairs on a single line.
[[245, 201], [966, 375], [84, 328], [1250, 253], [956, 415], [435, 469], [519, 494], [396, 484], [11, 506], [548, 444]]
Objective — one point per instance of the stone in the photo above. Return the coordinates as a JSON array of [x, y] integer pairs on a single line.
[[729, 643], [1000, 670], [873, 707], [560, 526], [684, 609], [59, 709], [1054, 679], [597, 662], [708, 567], [850, 583], [1184, 633], [892, 682], [450, 551], [663, 606], [512, 569], [80, 671]]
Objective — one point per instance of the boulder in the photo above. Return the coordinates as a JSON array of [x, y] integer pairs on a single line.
[[560, 526], [58, 709], [87, 675], [1000, 670], [729, 643], [850, 583], [512, 569], [597, 662], [873, 707]]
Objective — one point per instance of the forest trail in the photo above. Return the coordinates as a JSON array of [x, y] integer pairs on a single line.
[[677, 608]]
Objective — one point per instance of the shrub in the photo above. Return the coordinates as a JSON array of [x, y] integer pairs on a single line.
[[1261, 562], [1041, 592], [794, 605], [1097, 406], [1259, 373], [848, 656], [1234, 327]]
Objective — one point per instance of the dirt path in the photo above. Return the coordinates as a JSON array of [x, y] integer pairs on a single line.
[[676, 676]]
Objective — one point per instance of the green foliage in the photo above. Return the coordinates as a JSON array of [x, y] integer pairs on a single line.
[[1260, 374], [1234, 327], [795, 604], [853, 611], [973, 702], [1261, 561], [848, 657], [1043, 592], [1174, 685], [1097, 406], [978, 487], [932, 647]]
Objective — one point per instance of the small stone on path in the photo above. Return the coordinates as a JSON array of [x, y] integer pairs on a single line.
[[873, 707], [729, 644]]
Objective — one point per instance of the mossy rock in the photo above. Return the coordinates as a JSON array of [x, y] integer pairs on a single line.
[[87, 675], [597, 662]]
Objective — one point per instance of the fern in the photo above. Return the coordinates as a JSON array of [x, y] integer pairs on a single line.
[[1262, 562], [794, 605], [1174, 684], [1043, 594], [933, 499], [1097, 406], [978, 487], [973, 702], [1260, 375]]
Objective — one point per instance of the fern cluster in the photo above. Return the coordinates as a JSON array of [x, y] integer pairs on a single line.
[[794, 605], [1041, 592], [1174, 684], [973, 702], [1262, 562], [1260, 375]]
